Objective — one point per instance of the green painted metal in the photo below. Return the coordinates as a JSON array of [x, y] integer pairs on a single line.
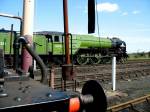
[[90, 41], [5, 42], [40, 44], [43, 46]]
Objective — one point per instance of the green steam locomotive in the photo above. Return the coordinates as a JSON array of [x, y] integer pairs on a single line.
[[84, 49]]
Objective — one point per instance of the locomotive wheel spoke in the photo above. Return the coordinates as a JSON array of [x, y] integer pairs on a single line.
[[82, 59], [105, 60], [123, 60], [95, 60]]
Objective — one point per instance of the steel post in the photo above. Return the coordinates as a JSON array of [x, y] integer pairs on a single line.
[[114, 73]]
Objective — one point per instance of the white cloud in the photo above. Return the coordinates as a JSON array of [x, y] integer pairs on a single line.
[[135, 12], [124, 13], [107, 7]]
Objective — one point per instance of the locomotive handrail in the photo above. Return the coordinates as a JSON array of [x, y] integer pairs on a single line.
[[38, 44], [71, 44], [71, 47], [29, 47]]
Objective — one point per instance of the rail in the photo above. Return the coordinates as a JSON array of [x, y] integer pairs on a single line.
[[129, 104]]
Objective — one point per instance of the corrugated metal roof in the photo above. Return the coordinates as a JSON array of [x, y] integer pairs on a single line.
[[49, 33]]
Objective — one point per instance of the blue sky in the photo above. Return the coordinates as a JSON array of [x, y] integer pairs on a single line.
[[127, 19]]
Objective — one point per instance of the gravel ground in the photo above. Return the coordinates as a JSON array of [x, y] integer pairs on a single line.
[[128, 90]]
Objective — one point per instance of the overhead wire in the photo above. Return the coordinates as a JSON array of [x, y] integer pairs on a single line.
[[97, 22]]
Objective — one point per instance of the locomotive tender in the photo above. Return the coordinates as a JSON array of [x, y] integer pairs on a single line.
[[84, 49]]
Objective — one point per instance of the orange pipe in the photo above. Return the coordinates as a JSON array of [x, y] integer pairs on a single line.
[[74, 105]]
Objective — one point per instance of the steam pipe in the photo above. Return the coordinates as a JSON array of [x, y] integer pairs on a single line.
[[14, 17], [10, 16], [28, 47]]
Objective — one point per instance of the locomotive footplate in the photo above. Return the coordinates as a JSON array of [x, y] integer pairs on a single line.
[[31, 96]]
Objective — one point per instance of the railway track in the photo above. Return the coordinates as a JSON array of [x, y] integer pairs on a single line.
[[94, 68], [128, 71], [131, 105]]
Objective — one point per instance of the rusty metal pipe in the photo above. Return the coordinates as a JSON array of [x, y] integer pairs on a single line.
[[52, 78], [66, 30], [29, 47]]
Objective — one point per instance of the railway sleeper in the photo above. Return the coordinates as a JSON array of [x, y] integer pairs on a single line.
[[132, 75], [137, 74], [70, 84], [134, 109], [144, 73], [124, 77]]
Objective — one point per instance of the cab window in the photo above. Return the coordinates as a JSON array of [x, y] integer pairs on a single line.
[[56, 38], [49, 38]]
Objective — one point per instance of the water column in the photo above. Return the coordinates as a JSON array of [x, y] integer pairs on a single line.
[[27, 29]]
